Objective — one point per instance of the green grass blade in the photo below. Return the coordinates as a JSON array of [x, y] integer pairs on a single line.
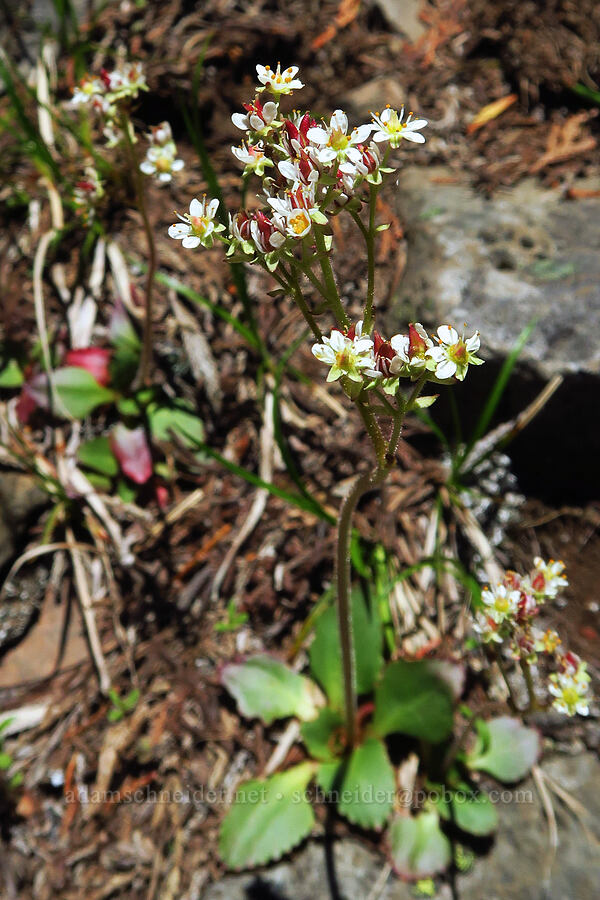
[[297, 500], [586, 92], [187, 292]]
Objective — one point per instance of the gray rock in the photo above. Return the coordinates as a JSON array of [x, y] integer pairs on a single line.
[[513, 868], [373, 96], [20, 496], [403, 15], [496, 264]]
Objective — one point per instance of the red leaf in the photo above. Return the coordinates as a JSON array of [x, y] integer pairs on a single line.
[[94, 359], [132, 452]]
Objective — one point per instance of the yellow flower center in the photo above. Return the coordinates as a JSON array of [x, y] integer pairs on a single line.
[[299, 223], [199, 224]]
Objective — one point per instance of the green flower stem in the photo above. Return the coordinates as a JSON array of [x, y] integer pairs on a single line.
[[363, 484], [291, 284], [370, 241], [511, 694], [526, 670], [146, 361], [373, 429], [332, 295]]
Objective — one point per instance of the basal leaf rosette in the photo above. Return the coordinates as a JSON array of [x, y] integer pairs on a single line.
[[268, 818], [266, 688]]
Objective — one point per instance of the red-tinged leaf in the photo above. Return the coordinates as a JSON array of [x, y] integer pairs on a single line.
[[95, 360], [132, 451]]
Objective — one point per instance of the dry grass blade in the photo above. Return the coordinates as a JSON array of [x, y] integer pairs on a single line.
[[87, 612], [267, 445], [197, 347], [539, 778]]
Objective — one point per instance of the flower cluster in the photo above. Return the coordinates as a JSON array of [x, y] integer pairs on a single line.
[[570, 686], [411, 355], [102, 93], [508, 617], [88, 191], [161, 156], [310, 170]]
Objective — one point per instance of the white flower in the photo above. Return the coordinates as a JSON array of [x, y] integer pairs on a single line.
[[548, 579], [197, 227], [348, 355], [487, 628], [268, 234], [279, 82], [412, 350], [90, 91], [502, 603], [253, 157], [363, 162], [334, 142], [298, 208], [545, 641], [161, 161], [570, 688], [87, 192], [259, 117], [389, 126], [160, 135], [454, 355], [126, 81]]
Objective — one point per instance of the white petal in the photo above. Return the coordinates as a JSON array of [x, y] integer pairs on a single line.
[[386, 115], [445, 369], [164, 177], [147, 168], [339, 121], [400, 343], [269, 111], [363, 345], [447, 334], [277, 239], [416, 124], [196, 208], [326, 155], [290, 72], [317, 136], [473, 343], [190, 242], [380, 136], [240, 120], [179, 230], [361, 134], [178, 165], [212, 208], [255, 122], [414, 136], [287, 169], [337, 341], [324, 354]]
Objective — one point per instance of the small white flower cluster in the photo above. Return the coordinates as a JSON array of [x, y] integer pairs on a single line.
[[86, 194], [198, 226], [411, 355], [508, 617], [310, 170], [102, 93], [570, 686], [161, 156]]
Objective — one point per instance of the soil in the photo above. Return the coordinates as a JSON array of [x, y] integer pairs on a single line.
[[157, 624]]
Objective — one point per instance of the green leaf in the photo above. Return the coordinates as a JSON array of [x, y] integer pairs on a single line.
[[511, 749], [129, 701], [264, 687], [324, 736], [5, 723], [267, 819], [418, 847], [177, 419], [424, 402], [6, 761], [114, 715], [11, 375], [473, 811], [368, 786], [96, 454], [413, 700], [79, 392], [325, 652]]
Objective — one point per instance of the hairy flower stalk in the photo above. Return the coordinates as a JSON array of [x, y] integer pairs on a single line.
[[310, 172]]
